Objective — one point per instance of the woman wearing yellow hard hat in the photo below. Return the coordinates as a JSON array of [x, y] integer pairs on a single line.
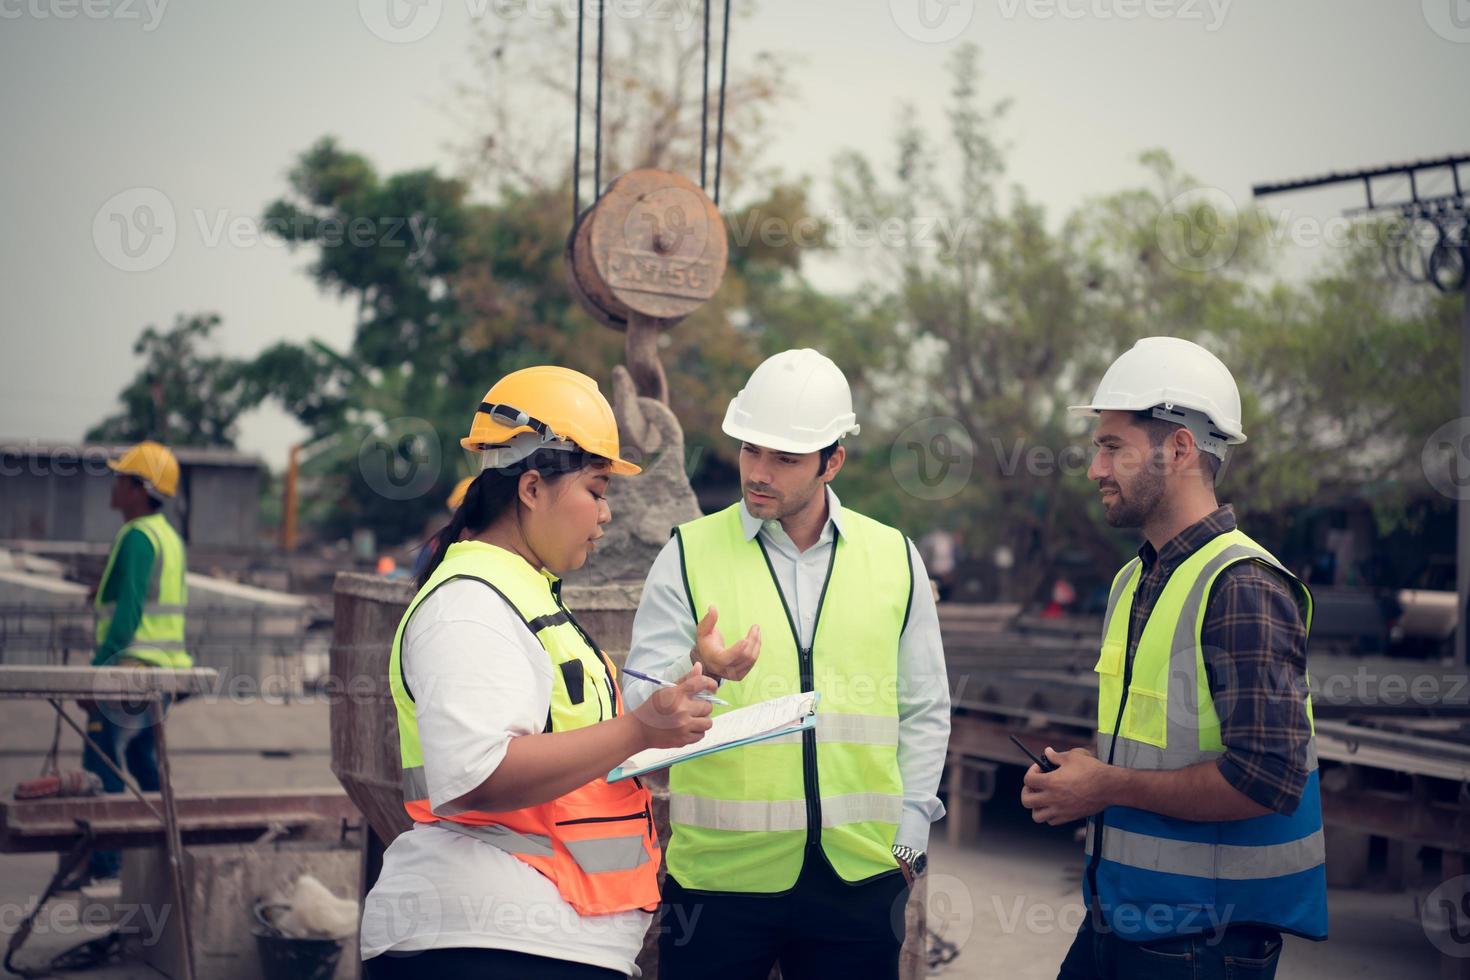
[[523, 860]]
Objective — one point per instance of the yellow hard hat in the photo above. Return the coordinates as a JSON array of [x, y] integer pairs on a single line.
[[153, 464], [545, 407], [456, 496]]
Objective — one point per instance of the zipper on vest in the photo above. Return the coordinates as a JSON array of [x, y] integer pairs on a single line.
[[809, 759], [640, 815], [1097, 830], [807, 672]]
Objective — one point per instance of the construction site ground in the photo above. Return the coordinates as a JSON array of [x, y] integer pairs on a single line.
[[1010, 904]]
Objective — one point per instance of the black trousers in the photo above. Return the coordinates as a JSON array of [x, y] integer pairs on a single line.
[[472, 964], [822, 928]]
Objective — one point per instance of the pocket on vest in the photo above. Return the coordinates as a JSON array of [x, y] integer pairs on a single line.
[[1146, 719], [1110, 660]]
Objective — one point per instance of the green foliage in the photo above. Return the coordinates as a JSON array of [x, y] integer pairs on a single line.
[[986, 313], [184, 395], [1009, 322]]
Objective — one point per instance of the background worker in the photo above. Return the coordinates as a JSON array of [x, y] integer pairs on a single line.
[[1205, 840], [452, 502], [140, 602], [523, 860], [797, 851]]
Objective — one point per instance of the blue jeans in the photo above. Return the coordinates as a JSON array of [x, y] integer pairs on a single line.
[[1241, 953], [125, 734]]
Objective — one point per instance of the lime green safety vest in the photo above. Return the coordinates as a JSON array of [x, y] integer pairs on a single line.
[[742, 820], [1155, 877], [582, 685], [597, 842], [159, 639]]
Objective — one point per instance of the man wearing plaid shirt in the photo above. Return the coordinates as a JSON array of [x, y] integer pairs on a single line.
[[1205, 824]]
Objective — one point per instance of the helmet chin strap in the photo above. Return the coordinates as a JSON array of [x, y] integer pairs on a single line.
[[1206, 436]]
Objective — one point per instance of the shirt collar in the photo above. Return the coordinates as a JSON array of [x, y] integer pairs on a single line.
[[1189, 540], [752, 525]]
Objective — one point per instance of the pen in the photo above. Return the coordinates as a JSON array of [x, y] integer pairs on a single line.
[[663, 683]]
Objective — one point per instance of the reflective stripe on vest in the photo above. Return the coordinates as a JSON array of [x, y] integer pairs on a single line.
[[763, 815], [1227, 861], [507, 840], [160, 636], [597, 843], [1156, 874], [742, 820]]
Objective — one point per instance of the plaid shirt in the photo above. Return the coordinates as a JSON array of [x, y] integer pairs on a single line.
[[1255, 651]]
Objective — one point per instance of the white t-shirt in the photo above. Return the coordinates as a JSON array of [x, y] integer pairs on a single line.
[[478, 678]]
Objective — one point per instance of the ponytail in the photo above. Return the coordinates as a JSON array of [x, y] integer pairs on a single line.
[[493, 492]]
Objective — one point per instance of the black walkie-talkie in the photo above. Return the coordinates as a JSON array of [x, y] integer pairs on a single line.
[[1045, 764]]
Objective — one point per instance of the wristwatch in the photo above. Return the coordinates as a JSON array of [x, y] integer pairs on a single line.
[[917, 861]]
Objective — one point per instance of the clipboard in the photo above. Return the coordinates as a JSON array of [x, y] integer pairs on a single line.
[[652, 759]]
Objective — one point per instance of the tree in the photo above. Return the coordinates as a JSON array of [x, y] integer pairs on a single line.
[[1008, 322], [184, 395], [479, 288]]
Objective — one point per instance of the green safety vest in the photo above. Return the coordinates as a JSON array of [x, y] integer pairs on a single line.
[[159, 639], [742, 819], [1156, 877], [582, 686], [597, 843]]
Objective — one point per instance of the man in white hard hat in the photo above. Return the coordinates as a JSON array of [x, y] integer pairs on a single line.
[[800, 850], [1205, 834]]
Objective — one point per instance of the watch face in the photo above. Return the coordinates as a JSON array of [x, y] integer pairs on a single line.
[[920, 864]]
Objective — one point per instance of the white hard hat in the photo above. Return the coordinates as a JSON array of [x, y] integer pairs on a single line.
[[1180, 381], [797, 401]]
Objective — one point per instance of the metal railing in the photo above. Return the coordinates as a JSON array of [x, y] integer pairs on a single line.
[[256, 649]]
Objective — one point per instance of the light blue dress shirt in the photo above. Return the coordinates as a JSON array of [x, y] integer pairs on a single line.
[[663, 635]]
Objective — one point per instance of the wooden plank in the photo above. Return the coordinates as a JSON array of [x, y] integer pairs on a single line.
[[103, 683], [51, 824]]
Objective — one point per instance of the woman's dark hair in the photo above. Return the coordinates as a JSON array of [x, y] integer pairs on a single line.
[[493, 491]]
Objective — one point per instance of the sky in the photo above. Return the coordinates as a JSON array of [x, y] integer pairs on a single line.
[[143, 138]]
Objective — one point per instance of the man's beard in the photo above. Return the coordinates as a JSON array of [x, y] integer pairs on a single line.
[[783, 506], [1137, 506]]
